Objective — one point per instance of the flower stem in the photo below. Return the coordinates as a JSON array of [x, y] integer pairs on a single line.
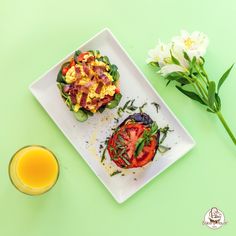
[[220, 116]]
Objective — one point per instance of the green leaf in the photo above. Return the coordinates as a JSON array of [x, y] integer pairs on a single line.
[[154, 128], [77, 53], [218, 102], [194, 60], [211, 94], [168, 83], [115, 102], [101, 109], [209, 110], [115, 172], [139, 146], [223, 78], [104, 154], [81, 115], [186, 56], [174, 59], [163, 149], [89, 113], [60, 77], [191, 95], [114, 72], [105, 59], [164, 131], [94, 52]]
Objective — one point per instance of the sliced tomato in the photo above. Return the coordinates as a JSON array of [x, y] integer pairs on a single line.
[[64, 70], [72, 63], [81, 56], [125, 138], [117, 90]]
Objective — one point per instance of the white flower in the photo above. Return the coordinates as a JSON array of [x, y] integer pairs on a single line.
[[194, 44], [170, 68], [160, 54], [179, 55]]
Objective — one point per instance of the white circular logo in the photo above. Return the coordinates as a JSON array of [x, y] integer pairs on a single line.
[[214, 218]]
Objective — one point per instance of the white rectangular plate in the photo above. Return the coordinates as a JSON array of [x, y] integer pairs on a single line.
[[86, 137]]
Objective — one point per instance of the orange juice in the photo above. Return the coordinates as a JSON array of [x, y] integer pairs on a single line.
[[33, 170]]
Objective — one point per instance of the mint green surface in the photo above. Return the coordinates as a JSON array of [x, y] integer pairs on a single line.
[[37, 34]]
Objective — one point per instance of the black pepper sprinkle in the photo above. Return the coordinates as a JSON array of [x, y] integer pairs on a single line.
[[135, 179]]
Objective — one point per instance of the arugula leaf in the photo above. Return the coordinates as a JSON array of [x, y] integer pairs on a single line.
[[223, 78]]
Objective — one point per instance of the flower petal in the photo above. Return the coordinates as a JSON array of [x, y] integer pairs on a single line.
[[168, 69]]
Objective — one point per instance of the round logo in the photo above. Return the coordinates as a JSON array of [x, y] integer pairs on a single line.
[[214, 218]]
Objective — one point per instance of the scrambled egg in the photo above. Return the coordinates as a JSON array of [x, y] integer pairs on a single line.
[[70, 77]]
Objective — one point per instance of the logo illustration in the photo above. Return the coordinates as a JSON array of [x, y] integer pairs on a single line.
[[214, 218]]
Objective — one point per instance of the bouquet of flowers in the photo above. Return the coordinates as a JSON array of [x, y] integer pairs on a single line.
[[182, 61]]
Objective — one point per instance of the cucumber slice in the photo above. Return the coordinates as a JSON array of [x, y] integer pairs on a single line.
[[81, 116]]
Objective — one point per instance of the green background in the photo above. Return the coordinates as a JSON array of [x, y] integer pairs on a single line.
[[37, 34]]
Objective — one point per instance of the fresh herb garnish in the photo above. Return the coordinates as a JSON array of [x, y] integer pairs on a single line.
[[163, 149], [141, 108], [103, 154], [164, 131], [120, 111], [115, 173], [156, 105], [146, 138], [129, 105]]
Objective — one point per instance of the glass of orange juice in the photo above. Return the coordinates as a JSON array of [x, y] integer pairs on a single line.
[[33, 170]]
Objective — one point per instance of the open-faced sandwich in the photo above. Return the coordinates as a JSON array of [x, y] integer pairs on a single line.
[[135, 141], [88, 83]]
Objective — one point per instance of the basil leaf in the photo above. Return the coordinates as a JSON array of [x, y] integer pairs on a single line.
[[211, 94], [191, 95], [77, 53], [223, 78]]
